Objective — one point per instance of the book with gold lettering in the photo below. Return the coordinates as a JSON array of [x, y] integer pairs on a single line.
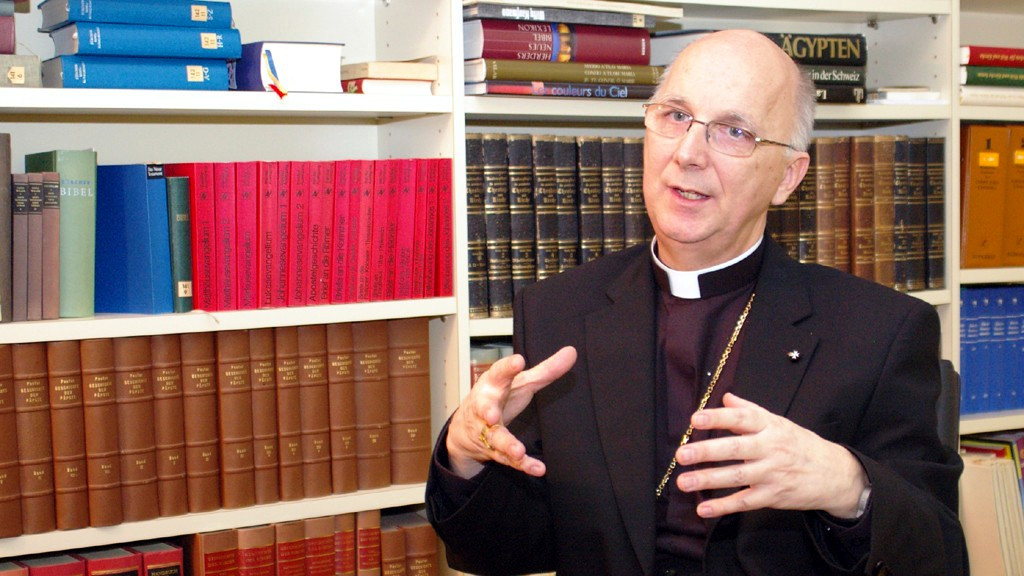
[[199, 388], [234, 418], [133, 379], [101, 443], [67, 425], [169, 425]]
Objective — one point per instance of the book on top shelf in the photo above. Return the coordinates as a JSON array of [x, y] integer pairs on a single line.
[[195, 13], [285, 67], [20, 71], [1007, 56], [548, 14], [387, 86], [98, 38], [135, 73], [561, 89], [419, 69], [555, 42], [645, 8], [481, 69]]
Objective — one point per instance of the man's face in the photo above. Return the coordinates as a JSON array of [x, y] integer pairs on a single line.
[[708, 207]]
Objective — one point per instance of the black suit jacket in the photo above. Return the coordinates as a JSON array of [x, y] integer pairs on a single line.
[[867, 378]]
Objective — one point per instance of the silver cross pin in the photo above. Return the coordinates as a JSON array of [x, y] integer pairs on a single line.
[[794, 355]]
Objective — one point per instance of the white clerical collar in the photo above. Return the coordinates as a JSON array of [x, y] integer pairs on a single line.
[[686, 283]]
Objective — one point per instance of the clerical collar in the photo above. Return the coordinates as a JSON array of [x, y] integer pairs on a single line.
[[718, 279]]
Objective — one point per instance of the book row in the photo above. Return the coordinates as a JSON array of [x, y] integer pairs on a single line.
[[992, 75], [991, 348], [108, 430], [540, 204], [991, 195], [871, 205]]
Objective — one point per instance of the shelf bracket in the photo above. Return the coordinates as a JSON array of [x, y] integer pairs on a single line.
[[873, 23]]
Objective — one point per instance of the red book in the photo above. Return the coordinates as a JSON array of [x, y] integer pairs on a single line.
[[1009, 57], [10, 483], [340, 232], [246, 234], [256, 551], [160, 559], [361, 217], [298, 232], [424, 257], [556, 42], [35, 450], [55, 565], [225, 243], [267, 235], [67, 421], [445, 264], [319, 546], [368, 543], [133, 379], [169, 425], [201, 216], [320, 202], [326, 245], [213, 553], [345, 544], [101, 442], [385, 180], [290, 538], [111, 562], [402, 218], [282, 243]]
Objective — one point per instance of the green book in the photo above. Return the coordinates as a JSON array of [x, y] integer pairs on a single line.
[[77, 170], [181, 242]]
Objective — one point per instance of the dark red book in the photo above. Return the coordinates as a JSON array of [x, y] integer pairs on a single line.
[[445, 238], [264, 414], [319, 546], [341, 232], [1004, 56], [201, 216], [10, 481], [256, 551], [298, 232], [7, 34], [133, 379], [289, 416], [385, 179], [169, 425], [368, 543], [341, 396], [111, 562], [556, 42], [67, 425], [246, 234], [425, 248], [102, 450], [402, 219], [320, 216], [35, 449], [199, 389], [226, 258], [345, 544], [266, 232], [290, 538], [362, 226], [160, 558], [326, 243], [279, 264], [234, 418], [314, 407], [55, 565]]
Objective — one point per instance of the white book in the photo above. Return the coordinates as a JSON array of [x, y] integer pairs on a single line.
[[660, 10], [991, 96]]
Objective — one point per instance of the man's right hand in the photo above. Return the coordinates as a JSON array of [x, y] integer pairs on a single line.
[[477, 432]]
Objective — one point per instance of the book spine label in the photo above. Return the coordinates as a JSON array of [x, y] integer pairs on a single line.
[[843, 49]]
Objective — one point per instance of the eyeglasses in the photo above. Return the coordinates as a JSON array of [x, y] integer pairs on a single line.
[[672, 122]]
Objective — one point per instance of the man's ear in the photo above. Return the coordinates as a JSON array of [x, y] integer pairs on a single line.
[[794, 173]]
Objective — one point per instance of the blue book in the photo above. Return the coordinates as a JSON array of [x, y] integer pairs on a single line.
[[193, 13], [99, 38], [133, 254], [128, 72]]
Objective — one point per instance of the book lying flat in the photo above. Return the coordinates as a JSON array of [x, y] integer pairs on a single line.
[[290, 66], [191, 13], [98, 38], [424, 69], [387, 86], [129, 72]]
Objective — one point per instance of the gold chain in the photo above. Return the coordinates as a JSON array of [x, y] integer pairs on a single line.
[[707, 393]]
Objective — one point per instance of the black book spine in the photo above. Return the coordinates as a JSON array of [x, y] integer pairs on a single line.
[[901, 228], [568, 217], [476, 229], [545, 206], [612, 190], [635, 226], [588, 162], [917, 214], [935, 247], [497, 221], [520, 207]]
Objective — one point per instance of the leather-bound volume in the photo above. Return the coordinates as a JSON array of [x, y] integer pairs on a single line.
[[133, 380], [421, 553], [806, 200], [102, 449], [983, 159], [476, 226], [567, 205], [314, 407], [636, 225], [885, 185], [67, 426], [256, 551], [10, 481], [368, 543], [319, 533], [160, 558], [373, 414], [290, 548], [234, 416], [345, 544], [841, 194], [199, 389], [289, 417], [169, 425], [264, 414], [341, 395], [522, 225], [496, 220], [613, 187], [915, 226], [212, 553], [862, 209], [392, 549], [588, 172], [935, 200], [35, 450], [409, 399], [545, 206], [822, 155], [51, 245], [1013, 215]]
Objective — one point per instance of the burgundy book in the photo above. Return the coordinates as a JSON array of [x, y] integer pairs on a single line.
[[102, 449], [373, 425], [35, 450], [133, 379], [10, 481], [341, 396], [256, 551], [264, 415], [51, 245], [112, 561], [289, 417], [319, 545], [160, 558], [234, 417], [409, 399], [345, 544], [314, 408], [67, 426], [212, 553], [55, 565], [199, 388], [290, 538], [368, 543], [169, 425], [556, 42]]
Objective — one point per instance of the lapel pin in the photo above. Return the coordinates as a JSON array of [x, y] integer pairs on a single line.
[[794, 355]]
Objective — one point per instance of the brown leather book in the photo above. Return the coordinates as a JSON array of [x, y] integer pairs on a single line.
[[35, 449], [102, 449], [345, 544], [212, 553], [199, 389], [234, 416], [256, 551], [314, 407], [51, 245], [409, 399], [67, 427], [319, 533], [133, 379], [984, 155], [368, 543], [373, 413], [421, 545], [824, 180], [841, 192], [264, 415], [341, 395], [10, 481], [290, 538], [289, 417], [885, 185], [392, 548], [862, 209], [169, 425]]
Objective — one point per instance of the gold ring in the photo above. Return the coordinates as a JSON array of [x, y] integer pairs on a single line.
[[483, 435]]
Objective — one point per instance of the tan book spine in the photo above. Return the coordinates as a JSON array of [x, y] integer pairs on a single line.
[[368, 543], [133, 379], [289, 418], [264, 415], [314, 407], [199, 387], [51, 245], [67, 427], [169, 424], [345, 544], [392, 549], [256, 551], [409, 399], [35, 450], [290, 538], [234, 406], [841, 192], [341, 394], [862, 210], [319, 533], [421, 550], [102, 449], [373, 414], [212, 553], [10, 481]]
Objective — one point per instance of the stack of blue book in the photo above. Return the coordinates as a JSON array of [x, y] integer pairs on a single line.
[[154, 44]]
